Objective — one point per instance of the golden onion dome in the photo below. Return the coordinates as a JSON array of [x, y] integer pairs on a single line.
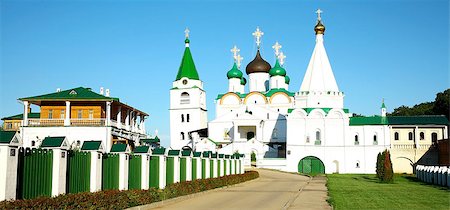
[[319, 28]]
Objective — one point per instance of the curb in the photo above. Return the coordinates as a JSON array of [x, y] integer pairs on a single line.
[[185, 197]]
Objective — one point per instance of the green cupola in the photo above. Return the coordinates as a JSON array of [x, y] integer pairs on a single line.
[[187, 66], [277, 70], [243, 81], [234, 72], [287, 79]]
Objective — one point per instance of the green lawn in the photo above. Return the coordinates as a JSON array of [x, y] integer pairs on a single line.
[[364, 191]]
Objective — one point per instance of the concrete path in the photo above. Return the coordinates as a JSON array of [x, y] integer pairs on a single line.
[[273, 190]]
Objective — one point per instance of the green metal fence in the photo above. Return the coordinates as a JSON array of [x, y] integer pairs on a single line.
[[169, 170], [182, 169], [229, 165], [235, 167], [218, 168], [78, 175], [225, 167], [134, 172], [211, 168], [154, 171], [34, 176], [110, 171], [194, 169], [203, 168]]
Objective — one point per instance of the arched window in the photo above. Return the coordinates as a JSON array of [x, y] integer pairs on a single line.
[[187, 117], [422, 136], [182, 117], [356, 139], [396, 136], [182, 136], [33, 143], [434, 137], [375, 140], [318, 138], [184, 98], [410, 136], [357, 164]]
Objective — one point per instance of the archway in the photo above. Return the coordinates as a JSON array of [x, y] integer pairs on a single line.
[[311, 165]]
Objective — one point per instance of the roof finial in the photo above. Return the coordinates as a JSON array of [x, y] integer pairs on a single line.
[[258, 34], [235, 52], [277, 46], [318, 11], [186, 34], [281, 58], [239, 60]]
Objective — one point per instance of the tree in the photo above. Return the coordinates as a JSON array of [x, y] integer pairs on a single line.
[[384, 167], [441, 103]]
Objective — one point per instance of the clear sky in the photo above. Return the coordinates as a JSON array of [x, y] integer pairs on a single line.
[[397, 50]]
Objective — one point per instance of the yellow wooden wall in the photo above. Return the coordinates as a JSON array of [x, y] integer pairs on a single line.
[[97, 111], [55, 109]]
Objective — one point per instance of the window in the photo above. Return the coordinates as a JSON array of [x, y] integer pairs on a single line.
[[182, 136], [50, 114], [80, 114], [357, 164], [356, 139], [307, 139], [410, 136], [91, 114], [33, 143], [375, 140], [182, 117], [434, 137], [184, 99], [422, 136], [396, 137], [318, 135], [61, 114], [187, 117]]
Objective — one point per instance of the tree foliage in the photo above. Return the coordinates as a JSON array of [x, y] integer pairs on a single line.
[[440, 106], [384, 167]]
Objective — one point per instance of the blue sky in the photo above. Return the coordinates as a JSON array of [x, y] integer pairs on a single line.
[[397, 50]]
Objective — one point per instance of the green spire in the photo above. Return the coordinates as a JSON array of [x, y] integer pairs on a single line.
[[234, 72], [277, 70], [187, 67], [382, 104]]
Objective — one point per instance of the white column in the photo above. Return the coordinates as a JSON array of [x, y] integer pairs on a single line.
[[145, 171], [108, 113], [25, 113], [119, 118], [67, 117], [188, 168], [8, 172], [127, 120], [123, 171], [162, 172], [176, 169], [59, 172], [96, 171], [416, 136]]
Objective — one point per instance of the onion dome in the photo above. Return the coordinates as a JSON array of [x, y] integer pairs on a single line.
[[258, 65], [319, 28], [287, 79], [234, 72], [243, 81], [277, 70]]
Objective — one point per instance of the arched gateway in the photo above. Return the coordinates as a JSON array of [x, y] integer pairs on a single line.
[[311, 165]]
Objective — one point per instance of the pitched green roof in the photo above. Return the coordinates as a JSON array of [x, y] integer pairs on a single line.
[[31, 115], [173, 153], [221, 155], [277, 90], [91, 145], [53, 141], [418, 120], [197, 154], [141, 149], [79, 93], [227, 156], [187, 66], [372, 120], [118, 148], [206, 154], [159, 151], [214, 155], [6, 136], [151, 140], [186, 153], [326, 110]]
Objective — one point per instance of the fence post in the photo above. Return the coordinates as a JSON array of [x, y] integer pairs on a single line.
[[9, 154], [144, 151], [196, 166], [95, 148], [187, 155]]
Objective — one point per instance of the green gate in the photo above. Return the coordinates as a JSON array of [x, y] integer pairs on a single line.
[[78, 172], [134, 172], [34, 173], [182, 169], [154, 171], [194, 168], [110, 171], [169, 170], [311, 165], [218, 168], [203, 168]]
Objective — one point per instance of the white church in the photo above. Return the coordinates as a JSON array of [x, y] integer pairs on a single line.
[[306, 130]]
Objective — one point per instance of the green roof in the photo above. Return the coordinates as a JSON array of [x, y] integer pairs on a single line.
[[118, 148], [277, 90], [373, 120], [187, 66], [31, 115], [234, 72], [186, 153], [197, 154], [6, 136], [159, 151], [287, 79], [239, 94], [243, 81], [400, 120], [326, 110], [53, 141], [227, 156], [91, 145], [151, 140], [173, 152], [206, 154], [79, 93], [214, 155], [221, 155], [277, 70], [141, 149]]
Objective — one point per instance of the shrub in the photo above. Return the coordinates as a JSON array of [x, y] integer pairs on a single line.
[[115, 199], [384, 167]]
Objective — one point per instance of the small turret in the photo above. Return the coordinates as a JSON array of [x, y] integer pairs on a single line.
[[383, 109]]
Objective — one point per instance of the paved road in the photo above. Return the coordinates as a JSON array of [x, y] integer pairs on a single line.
[[273, 190]]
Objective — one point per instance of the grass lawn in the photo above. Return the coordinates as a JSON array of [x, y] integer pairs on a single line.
[[364, 191]]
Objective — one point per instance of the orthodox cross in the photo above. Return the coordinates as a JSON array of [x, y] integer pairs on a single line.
[[277, 46], [281, 58], [235, 52], [186, 32], [258, 34], [318, 14], [239, 60]]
